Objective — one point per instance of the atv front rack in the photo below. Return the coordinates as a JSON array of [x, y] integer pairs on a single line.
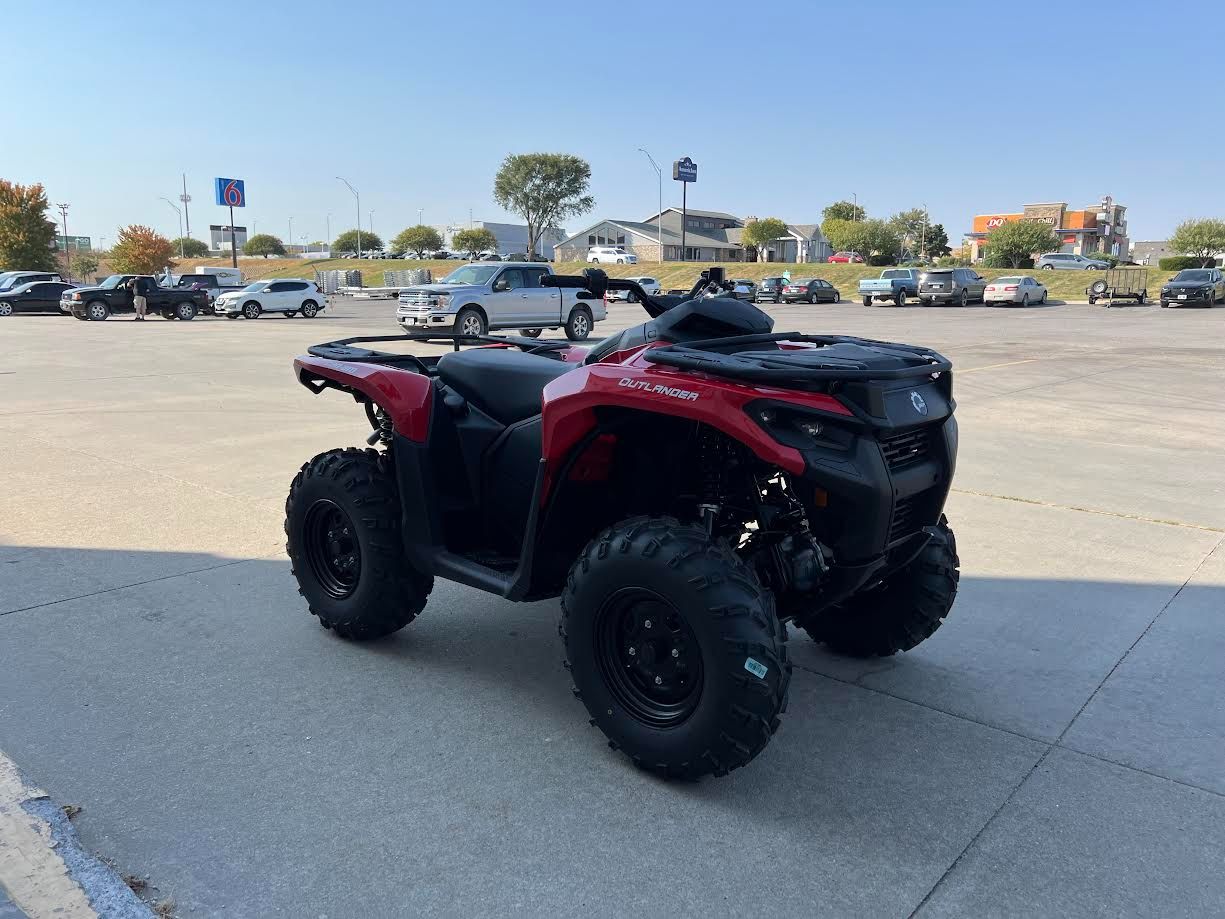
[[724, 357], [345, 349]]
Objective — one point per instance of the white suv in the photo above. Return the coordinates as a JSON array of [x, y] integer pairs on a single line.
[[610, 255], [290, 296]]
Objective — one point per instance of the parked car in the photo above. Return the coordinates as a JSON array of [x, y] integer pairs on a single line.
[[1021, 289], [33, 297], [650, 285], [516, 257], [1065, 261], [810, 290], [845, 258], [610, 255], [1202, 286], [744, 289], [957, 286], [490, 257], [289, 296], [479, 297], [114, 295], [770, 289], [894, 284], [11, 279], [211, 284]]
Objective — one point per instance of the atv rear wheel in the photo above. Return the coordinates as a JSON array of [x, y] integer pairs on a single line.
[[899, 613], [342, 523], [675, 648]]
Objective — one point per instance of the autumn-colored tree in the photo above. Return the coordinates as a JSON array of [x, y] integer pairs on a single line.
[[27, 237], [141, 250]]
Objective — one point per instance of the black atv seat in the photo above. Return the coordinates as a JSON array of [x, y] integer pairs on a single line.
[[503, 383]]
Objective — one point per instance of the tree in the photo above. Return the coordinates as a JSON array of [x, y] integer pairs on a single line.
[[418, 240], [934, 242], [844, 235], [843, 210], [909, 226], [867, 237], [1013, 243], [84, 263], [141, 250], [544, 189], [474, 242], [188, 247], [1201, 239], [351, 241], [264, 244], [27, 237], [760, 233]]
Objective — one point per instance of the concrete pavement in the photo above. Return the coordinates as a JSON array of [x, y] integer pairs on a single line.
[[1055, 748]]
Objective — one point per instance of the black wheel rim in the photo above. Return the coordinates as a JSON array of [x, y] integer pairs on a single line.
[[649, 657], [332, 550]]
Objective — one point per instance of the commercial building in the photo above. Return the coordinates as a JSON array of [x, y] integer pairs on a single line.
[[709, 236], [1101, 228], [219, 237], [511, 237]]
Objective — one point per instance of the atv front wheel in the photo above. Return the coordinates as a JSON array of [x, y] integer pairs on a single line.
[[899, 613], [342, 523], [675, 648]]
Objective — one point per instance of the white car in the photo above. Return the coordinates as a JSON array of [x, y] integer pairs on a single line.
[[290, 296], [1021, 289], [650, 285], [610, 255]]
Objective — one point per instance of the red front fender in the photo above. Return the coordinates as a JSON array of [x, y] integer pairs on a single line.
[[406, 396]]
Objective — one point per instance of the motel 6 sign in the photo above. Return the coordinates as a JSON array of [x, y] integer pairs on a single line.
[[231, 192]]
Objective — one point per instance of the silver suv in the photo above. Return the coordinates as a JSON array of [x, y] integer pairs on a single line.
[[476, 298], [1066, 261], [957, 286]]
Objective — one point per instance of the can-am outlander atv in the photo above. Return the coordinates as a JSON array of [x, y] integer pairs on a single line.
[[688, 486]]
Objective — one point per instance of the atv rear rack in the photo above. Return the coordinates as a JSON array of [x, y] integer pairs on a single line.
[[343, 349], [797, 365]]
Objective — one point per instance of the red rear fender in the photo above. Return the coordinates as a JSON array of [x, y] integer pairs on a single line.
[[405, 396]]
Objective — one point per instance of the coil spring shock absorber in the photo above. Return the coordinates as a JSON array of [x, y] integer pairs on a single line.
[[381, 422]]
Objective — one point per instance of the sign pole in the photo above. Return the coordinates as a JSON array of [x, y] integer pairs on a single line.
[[233, 240], [684, 171], [684, 218]]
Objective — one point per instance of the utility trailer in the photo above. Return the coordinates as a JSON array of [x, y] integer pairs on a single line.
[[1120, 284]]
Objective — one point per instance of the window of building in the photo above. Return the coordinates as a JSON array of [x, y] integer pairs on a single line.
[[693, 223], [620, 239], [708, 224], [591, 239]]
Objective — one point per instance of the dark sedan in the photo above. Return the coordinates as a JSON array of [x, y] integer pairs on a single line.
[[1194, 287], [770, 289], [810, 290], [38, 297]]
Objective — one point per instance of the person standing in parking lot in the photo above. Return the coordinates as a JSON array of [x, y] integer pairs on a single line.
[[140, 291]]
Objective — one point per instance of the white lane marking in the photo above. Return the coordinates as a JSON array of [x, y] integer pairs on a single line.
[[31, 871]]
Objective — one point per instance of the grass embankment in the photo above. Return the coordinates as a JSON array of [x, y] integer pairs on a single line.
[[1063, 285]]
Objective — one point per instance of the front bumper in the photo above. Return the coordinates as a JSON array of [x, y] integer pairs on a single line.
[[414, 320], [1187, 296]]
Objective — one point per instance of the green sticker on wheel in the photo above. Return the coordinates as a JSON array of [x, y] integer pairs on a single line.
[[757, 668]]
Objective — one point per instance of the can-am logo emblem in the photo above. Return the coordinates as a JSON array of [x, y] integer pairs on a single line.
[[919, 405]]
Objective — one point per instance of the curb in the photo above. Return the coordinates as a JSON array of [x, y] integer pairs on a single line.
[[44, 870]]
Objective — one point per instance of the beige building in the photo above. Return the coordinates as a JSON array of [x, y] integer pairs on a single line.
[[709, 236]]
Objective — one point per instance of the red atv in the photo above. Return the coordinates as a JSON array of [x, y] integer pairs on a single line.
[[687, 486]]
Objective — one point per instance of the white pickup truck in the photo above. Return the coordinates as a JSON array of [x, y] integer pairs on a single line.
[[480, 297]]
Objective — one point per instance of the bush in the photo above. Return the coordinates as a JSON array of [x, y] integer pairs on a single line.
[[880, 259], [994, 260], [1179, 262], [952, 261], [1111, 260]]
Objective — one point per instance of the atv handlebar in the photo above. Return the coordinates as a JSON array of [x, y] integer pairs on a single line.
[[598, 284]]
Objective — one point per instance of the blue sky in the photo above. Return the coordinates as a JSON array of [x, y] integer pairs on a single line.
[[786, 106]]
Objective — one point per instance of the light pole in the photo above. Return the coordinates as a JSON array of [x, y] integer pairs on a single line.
[[182, 253], [291, 231], [67, 255], [420, 211], [328, 232], [659, 220], [371, 219], [358, 199], [185, 198]]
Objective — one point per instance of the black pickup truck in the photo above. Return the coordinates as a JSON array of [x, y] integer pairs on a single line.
[[114, 295]]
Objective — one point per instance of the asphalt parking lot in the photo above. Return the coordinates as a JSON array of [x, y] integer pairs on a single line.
[[1056, 749]]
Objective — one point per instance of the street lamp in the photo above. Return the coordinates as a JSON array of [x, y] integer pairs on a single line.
[[182, 253], [358, 199], [659, 220], [328, 232], [420, 211], [67, 254], [371, 219], [291, 231]]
